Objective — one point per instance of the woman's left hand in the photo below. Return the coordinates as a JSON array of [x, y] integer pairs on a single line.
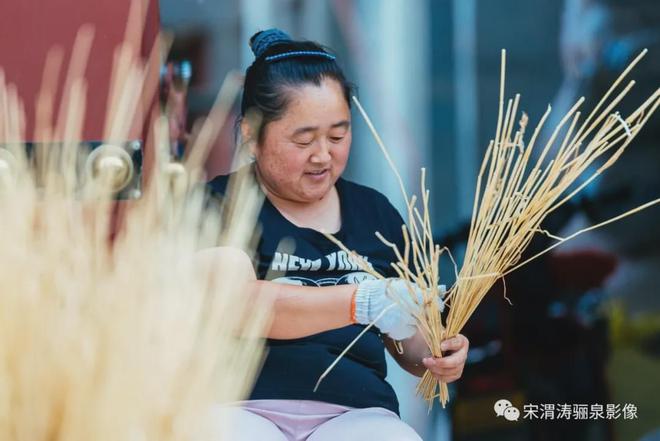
[[450, 366]]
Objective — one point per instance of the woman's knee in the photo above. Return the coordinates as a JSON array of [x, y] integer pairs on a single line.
[[361, 424]]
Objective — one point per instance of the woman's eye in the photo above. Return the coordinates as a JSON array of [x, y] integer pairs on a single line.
[[303, 143], [336, 138]]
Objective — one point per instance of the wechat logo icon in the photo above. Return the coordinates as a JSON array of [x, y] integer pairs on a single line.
[[507, 410]]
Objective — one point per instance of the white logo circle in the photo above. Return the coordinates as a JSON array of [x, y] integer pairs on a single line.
[[501, 406], [511, 413]]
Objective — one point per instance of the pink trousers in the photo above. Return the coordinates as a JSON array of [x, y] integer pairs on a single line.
[[297, 420]]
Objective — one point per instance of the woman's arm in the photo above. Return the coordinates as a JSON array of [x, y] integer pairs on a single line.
[[297, 311], [416, 357], [414, 350]]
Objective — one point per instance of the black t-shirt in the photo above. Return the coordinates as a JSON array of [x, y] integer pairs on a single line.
[[292, 367]]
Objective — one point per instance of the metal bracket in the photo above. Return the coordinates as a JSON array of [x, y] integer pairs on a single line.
[[122, 159]]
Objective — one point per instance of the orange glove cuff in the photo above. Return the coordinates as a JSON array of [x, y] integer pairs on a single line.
[[353, 320]]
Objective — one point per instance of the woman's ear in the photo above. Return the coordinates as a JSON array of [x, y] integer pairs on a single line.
[[247, 138], [250, 127], [246, 131]]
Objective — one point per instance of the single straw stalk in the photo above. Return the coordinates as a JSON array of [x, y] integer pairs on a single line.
[[418, 265]]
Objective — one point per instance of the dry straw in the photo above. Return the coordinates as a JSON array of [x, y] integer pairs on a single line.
[[121, 340], [513, 197]]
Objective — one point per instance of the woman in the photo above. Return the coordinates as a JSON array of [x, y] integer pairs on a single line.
[[296, 118]]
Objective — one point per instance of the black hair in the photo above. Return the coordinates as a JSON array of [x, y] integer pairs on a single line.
[[280, 64]]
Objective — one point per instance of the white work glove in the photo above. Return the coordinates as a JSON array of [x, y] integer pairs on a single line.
[[372, 297]]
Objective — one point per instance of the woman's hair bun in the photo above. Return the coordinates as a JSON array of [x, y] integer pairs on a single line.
[[262, 40]]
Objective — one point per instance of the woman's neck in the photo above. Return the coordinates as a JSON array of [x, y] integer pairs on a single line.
[[322, 215]]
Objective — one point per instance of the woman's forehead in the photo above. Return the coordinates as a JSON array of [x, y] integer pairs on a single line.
[[313, 106]]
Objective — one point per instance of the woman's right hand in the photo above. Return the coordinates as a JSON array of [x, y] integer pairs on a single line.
[[372, 297]]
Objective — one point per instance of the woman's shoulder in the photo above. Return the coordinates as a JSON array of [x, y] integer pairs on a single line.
[[360, 191], [367, 198], [373, 209], [218, 185]]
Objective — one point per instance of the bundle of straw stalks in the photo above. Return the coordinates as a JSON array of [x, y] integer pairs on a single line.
[[125, 339], [512, 199]]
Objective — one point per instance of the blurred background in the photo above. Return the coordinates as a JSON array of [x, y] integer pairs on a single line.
[[584, 328]]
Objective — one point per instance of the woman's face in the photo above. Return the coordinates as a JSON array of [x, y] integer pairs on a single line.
[[304, 152]]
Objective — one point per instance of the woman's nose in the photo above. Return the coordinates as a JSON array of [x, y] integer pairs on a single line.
[[322, 153]]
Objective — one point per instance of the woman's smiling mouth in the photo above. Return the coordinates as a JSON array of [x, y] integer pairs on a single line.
[[318, 174]]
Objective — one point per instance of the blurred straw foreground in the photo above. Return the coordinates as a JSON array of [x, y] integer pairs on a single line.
[[123, 339]]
